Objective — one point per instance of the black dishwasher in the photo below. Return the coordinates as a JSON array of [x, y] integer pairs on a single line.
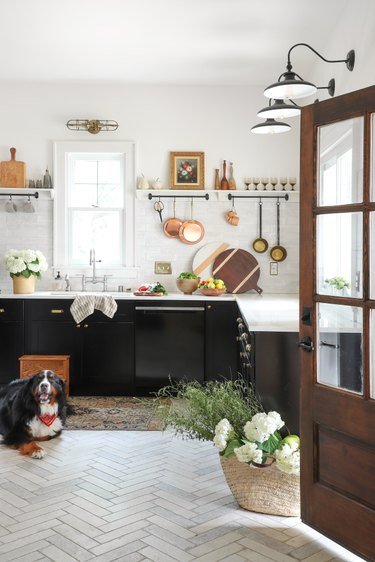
[[169, 343]]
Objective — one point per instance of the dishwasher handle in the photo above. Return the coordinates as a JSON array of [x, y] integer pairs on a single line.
[[171, 308]]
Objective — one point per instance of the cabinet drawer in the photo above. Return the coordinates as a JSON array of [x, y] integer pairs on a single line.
[[11, 310], [59, 310]]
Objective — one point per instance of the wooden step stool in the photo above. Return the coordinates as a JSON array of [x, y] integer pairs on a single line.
[[59, 364]]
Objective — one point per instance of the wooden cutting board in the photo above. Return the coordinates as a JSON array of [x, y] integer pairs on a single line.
[[12, 172], [205, 257], [238, 269]]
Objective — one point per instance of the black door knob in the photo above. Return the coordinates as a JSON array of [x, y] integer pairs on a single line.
[[306, 344]]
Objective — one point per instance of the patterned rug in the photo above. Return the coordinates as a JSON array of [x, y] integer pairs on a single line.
[[114, 412]]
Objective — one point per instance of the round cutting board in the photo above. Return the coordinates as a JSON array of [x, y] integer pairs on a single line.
[[205, 257], [238, 269]]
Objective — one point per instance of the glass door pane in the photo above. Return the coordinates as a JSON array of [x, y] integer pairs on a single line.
[[340, 163], [339, 347], [339, 254], [372, 354]]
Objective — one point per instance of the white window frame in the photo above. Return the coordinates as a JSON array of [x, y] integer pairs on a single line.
[[62, 149]]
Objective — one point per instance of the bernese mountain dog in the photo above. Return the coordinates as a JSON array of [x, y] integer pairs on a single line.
[[32, 409]]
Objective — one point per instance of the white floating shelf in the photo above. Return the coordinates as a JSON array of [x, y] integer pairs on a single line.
[[26, 191], [215, 195]]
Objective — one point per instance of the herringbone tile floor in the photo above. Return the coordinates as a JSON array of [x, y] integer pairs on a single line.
[[138, 496]]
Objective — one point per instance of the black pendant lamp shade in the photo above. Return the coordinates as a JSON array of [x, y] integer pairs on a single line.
[[269, 127], [279, 110], [291, 86]]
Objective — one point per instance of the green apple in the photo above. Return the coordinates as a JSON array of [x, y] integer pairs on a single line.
[[292, 439]]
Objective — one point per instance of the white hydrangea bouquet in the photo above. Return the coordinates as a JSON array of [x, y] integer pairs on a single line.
[[260, 444], [25, 263]]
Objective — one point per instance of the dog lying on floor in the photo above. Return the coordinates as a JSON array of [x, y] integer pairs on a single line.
[[32, 409]]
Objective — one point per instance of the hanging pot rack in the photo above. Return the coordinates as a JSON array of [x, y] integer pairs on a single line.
[[36, 194], [286, 197], [152, 196]]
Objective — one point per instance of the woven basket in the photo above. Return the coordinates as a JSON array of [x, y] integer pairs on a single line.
[[265, 490]]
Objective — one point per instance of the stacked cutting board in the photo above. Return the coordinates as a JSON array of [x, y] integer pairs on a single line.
[[12, 172], [238, 268]]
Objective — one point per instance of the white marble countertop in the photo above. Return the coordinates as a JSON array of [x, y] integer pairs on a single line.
[[263, 313]]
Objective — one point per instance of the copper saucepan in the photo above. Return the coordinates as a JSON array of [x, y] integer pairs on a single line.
[[172, 226], [191, 231], [278, 253], [260, 244]]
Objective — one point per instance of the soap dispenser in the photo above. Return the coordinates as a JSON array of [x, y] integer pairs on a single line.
[[58, 282]]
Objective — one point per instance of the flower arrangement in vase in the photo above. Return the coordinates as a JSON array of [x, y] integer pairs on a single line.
[[25, 266]]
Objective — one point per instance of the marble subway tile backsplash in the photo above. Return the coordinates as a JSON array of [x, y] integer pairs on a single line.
[[35, 230]]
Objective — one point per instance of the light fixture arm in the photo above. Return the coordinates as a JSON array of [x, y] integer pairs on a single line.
[[349, 61]]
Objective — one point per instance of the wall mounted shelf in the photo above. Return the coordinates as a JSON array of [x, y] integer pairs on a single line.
[[25, 191]]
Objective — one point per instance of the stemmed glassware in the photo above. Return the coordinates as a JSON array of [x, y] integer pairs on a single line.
[[247, 182], [273, 182], [256, 182], [264, 182], [283, 182], [292, 182]]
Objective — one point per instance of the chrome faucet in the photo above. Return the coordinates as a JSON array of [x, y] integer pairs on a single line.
[[94, 279], [67, 281], [93, 262]]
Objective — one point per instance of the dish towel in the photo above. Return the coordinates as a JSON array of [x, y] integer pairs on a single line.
[[84, 305]]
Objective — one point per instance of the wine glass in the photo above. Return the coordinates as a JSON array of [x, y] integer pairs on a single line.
[[292, 182], [256, 182], [273, 182], [247, 182], [283, 182], [264, 182]]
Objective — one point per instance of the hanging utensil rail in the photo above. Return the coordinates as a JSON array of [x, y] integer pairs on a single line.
[[286, 197], [207, 196], [36, 194]]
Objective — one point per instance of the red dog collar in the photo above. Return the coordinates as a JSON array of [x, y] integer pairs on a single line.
[[47, 419]]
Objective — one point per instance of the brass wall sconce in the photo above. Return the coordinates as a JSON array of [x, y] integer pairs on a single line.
[[93, 126]]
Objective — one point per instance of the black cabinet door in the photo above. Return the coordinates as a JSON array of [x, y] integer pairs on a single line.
[[11, 339], [58, 338], [221, 343], [108, 358], [277, 374]]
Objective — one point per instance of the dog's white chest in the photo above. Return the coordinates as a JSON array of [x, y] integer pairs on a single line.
[[47, 425]]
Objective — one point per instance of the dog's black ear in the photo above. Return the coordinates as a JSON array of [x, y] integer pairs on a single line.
[[25, 398]]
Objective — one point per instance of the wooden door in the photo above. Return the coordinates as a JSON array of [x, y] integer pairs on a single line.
[[337, 280]]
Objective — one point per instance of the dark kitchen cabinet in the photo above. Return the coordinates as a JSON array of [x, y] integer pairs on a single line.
[[221, 358], [101, 349], [11, 338]]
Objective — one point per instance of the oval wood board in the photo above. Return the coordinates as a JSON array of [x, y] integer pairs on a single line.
[[205, 257], [238, 269]]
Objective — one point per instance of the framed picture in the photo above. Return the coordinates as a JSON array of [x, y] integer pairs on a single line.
[[187, 170]]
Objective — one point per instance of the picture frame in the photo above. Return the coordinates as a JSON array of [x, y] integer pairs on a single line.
[[187, 170]]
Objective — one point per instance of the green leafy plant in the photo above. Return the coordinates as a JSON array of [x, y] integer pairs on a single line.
[[338, 282], [187, 275]]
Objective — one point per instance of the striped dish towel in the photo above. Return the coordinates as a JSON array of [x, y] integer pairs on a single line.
[[84, 305]]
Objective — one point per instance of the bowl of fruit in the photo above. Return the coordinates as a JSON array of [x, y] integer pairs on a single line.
[[212, 287]]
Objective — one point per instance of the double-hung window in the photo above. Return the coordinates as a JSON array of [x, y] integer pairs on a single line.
[[94, 204]]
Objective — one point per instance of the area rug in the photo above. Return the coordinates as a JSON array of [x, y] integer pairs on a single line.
[[114, 412]]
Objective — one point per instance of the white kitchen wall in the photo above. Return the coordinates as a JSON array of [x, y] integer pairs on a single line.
[[216, 120]]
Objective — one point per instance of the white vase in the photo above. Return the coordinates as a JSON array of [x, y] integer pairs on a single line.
[[23, 285]]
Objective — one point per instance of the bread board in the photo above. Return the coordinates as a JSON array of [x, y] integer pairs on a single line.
[[12, 172], [238, 269]]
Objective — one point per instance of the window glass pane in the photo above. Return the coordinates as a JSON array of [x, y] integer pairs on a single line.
[[97, 229], [340, 163], [109, 171], [83, 195], [85, 171], [339, 347], [110, 195], [339, 254]]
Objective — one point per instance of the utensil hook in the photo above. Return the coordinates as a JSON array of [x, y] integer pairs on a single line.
[[278, 220]]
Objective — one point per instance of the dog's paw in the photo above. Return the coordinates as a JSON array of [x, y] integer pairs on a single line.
[[38, 454]]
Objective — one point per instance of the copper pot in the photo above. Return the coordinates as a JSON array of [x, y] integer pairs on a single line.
[[191, 231], [278, 253], [172, 226], [260, 244]]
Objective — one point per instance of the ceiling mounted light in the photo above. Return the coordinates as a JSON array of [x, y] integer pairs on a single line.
[[269, 127], [279, 110], [291, 85], [93, 126]]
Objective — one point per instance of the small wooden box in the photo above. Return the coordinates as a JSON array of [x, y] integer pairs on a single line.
[[59, 364]]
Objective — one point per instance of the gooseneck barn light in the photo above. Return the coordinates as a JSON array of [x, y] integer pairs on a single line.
[[289, 86]]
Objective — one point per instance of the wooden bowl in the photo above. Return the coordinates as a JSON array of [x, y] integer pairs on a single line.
[[187, 286], [211, 292]]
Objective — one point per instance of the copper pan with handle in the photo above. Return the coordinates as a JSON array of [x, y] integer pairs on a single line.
[[278, 253], [191, 231], [260, 244], [172, 226]]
